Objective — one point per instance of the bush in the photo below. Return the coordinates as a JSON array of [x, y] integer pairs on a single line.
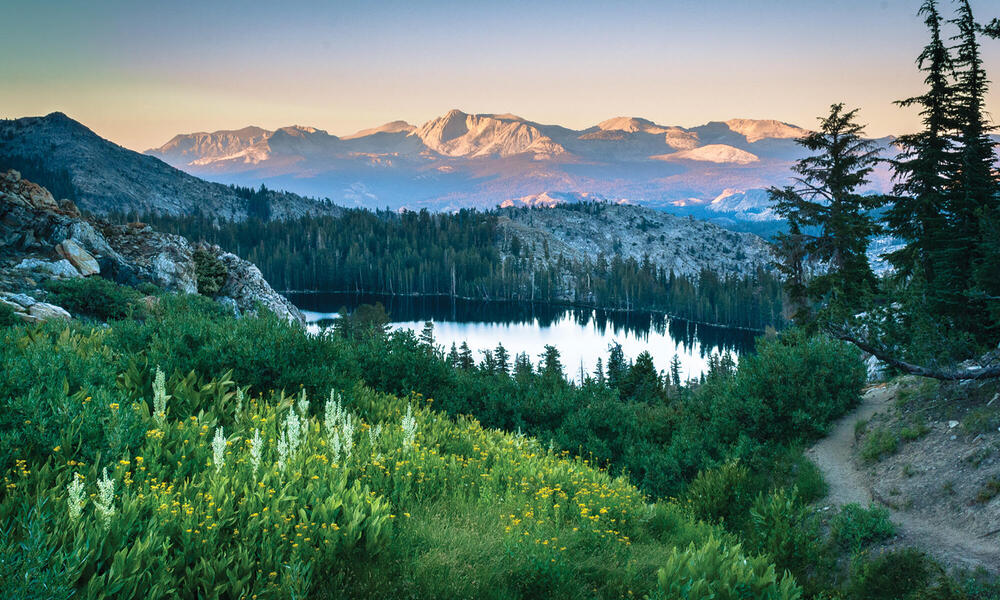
[[783, 528], [896, 575], [94, 297], [721, 573], [7, 316], [722, 494], [855, 527], [210, 272], [796, 385], [879, 443]]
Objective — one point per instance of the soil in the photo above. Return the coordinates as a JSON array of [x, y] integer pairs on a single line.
[[936, 482]]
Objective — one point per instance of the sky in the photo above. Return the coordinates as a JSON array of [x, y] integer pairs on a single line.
[[140, 72]]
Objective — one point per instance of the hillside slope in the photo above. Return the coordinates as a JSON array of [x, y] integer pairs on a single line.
[[685, 246]]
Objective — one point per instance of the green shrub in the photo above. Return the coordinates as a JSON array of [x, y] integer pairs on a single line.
[[722, 494], [881, 442], [210, 272], [988, 491], [795, 386], [7, 316], [915, 429], [855, 527], [57, 395], [895, 575], [809, 481], [94, 297], [785, 529], [715, 572], [981, 420]]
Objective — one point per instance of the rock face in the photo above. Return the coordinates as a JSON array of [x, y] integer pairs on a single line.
[[84, 262], [41, 239]]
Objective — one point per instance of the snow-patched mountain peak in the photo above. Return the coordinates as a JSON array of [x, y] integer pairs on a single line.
[[632, 125], [714, 153], [391, 127], [301, 131], [460, 134], [189, 147], [748, 205], [755, 130], [550, 199]]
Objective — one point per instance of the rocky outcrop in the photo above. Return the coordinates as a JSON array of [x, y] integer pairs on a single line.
[[83, 261], [30, 310], [42, 239]]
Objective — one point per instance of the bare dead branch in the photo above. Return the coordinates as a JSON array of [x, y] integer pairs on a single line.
[[988, 371]]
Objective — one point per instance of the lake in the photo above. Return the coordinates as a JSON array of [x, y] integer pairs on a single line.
[[582, 335]]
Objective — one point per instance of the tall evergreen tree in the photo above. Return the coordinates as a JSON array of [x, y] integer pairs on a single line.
[[827, 199], [926, 166], [974, 195]]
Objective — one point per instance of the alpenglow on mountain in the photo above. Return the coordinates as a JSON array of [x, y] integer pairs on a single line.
[[482, 160]]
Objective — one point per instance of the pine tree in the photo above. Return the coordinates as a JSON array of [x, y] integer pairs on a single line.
[[643, 382], [465, 359], [616, 365], [974, 195], [827, 198], [427, 335], [675, 371], [502, 359], [926, 166]]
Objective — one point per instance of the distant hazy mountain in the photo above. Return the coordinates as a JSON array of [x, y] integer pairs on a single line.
[[462, 160], [108, 178]]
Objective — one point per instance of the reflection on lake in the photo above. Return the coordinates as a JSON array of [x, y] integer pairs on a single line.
[[582, 335]]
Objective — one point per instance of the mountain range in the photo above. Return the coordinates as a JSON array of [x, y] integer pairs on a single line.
[[461, 160], [107, 178]]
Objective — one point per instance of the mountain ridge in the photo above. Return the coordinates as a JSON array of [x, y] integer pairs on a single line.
[[109, 178], [461, 160]]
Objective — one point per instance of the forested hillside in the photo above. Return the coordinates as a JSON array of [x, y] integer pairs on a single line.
[[475, 255]]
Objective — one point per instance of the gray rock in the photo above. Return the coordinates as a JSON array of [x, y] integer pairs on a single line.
[[24, 300], [59, 268], [43, 311], [248, 288], [173, 272], [229, 303], [84, 261]]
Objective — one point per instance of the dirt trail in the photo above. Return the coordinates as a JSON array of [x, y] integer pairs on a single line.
[[834, 455]]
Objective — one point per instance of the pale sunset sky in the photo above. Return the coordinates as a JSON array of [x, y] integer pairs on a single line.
[[140, 72]]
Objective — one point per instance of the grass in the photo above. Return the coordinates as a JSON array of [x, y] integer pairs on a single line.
[[878, 444], [856, 528], [988, 491]]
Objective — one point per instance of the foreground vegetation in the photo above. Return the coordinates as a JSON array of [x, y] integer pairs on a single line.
[[269, 462]]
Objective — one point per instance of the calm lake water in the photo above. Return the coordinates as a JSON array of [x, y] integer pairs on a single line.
[[582, 335]]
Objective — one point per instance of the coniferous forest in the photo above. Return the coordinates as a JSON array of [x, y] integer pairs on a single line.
[[465, 254]]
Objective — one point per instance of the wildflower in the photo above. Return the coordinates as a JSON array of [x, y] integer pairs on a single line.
[[219, 449], [409, 426], [105, 499], [373, 435], [282, 448], [239, 404], [75, 500], [113, 406], [159, 398], [256, 446], [303, 405]]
